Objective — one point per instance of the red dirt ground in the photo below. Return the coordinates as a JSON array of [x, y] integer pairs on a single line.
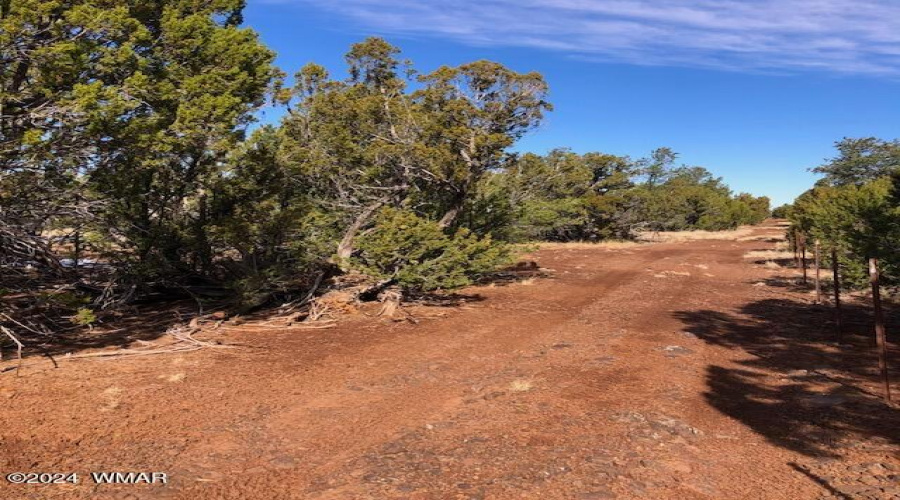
[[663, 371]]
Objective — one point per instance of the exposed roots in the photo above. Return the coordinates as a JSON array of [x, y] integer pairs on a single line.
[[390, 300]]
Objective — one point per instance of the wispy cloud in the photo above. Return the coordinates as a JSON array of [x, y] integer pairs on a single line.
[[840, 36]]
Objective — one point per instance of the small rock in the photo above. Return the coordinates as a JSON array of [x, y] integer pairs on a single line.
[[676, 350]]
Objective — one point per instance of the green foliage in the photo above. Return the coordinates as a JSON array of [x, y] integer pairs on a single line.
[[128, 123], [860, 161], [420, 256], [69, 300], [84, 317], [855, 208], [860, 221], [119, 115], [782, 212], [565, 196], [369, 141]]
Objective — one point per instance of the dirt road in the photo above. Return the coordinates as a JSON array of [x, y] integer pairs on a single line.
[[662, 371]]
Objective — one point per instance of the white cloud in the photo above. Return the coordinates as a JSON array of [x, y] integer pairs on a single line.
[[842, 36]]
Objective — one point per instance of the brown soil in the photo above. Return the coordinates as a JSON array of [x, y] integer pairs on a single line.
[[664, 371]]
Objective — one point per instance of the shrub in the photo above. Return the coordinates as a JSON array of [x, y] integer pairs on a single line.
[[419, 256], [84, 317]]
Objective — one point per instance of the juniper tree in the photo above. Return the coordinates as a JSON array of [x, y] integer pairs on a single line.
[[369, 141], [859, 221], [861, 160], [125, 110]]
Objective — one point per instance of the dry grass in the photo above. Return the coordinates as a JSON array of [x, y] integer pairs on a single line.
[[758, 237], [112, 397], [676, 236], [768, 254], [521, 385], [743, 233]]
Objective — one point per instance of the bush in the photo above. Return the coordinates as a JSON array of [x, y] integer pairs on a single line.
[[416, 254], [859, 221]]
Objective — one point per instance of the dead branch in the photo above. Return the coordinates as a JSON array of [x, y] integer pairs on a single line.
[[19, 346], [291, 306], [32, 330], [121, 353]]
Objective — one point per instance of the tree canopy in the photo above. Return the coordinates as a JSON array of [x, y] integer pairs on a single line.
[[854, 209], [128, 138]]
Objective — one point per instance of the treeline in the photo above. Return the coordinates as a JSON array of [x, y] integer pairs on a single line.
[[567, 196], [854, 210], [126, 146]]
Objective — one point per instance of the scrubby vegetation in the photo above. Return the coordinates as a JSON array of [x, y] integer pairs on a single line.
[[855, 209], [566, 196], [130, 166]]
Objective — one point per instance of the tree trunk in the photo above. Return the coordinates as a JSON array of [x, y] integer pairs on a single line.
[[345, 247], [803, 260], [818, 273], [879, 328], [474, 174], [450, 216], [456, 207]]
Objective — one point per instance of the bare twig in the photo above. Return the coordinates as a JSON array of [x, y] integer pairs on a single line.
[[32, 330]]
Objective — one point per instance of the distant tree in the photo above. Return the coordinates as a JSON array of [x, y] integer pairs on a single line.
[[861, 160], [563, 195], [782, 211], [759, 207], [658, 166]]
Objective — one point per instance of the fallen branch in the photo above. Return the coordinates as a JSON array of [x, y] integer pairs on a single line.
[[188, 336], [322, 325], [132, 352], [291, 306], [119, 353], [32, 330], [19, 346]]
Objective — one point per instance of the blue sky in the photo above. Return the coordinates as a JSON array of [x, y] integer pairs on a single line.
[[757, 91]]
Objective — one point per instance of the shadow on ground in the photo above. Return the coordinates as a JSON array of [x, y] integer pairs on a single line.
[[145, 325], [118, 330], [800, 389]]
